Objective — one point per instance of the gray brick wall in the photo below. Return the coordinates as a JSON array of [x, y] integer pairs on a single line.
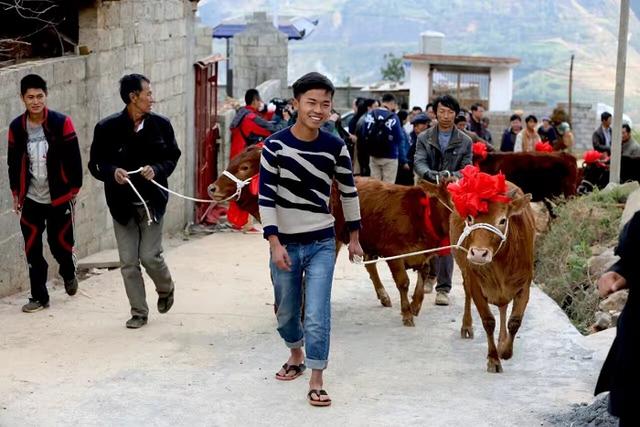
[[259, 53], [144, 36], [584, 120]]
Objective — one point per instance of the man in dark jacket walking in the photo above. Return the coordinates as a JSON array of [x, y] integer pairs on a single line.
[[441, 152], [45, 175], [602, 136], [621, 371], [133, 139], [419, 123]]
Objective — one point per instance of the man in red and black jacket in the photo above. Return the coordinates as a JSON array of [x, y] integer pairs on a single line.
[[45, 175], [252, 123]]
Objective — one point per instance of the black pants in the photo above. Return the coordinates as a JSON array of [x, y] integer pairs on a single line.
[[58, 222]]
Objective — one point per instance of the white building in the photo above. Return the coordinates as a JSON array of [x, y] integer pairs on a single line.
[[484, 79]]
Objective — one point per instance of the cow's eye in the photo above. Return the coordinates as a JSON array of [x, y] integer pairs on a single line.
[[502, 221], [469, 219]]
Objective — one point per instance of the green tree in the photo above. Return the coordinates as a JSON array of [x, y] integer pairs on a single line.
[[393, 70]]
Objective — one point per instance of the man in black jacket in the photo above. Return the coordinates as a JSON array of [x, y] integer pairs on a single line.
[[602, 136], [45, 175], [133, 139], [621, 371]]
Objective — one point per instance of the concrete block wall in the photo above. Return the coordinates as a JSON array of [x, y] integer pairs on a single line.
[[259, 54], [152, 37], [584, 120], [203, 42]]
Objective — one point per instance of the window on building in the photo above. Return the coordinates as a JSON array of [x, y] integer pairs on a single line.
[[467, 85]]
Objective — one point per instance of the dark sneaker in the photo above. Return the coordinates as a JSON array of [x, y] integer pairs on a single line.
[[165, 303], [32, 306], [71, 286], [136, 322]]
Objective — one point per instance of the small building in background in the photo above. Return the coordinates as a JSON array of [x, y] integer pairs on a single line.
[[484, 79]]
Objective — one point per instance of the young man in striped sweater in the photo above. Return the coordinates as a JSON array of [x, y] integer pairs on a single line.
[[297, 170]]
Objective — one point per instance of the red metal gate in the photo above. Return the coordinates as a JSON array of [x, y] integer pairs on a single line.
[[207, 131]]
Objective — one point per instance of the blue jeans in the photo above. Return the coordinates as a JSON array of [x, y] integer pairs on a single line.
[[315, 262], [442, 267]]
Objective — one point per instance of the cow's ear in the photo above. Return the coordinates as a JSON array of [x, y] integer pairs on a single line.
[[438, 191], [518, 204]]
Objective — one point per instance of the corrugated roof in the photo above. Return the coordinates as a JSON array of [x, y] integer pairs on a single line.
[[230, 27]]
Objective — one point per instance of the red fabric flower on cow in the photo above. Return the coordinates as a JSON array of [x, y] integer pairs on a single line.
[[237, 216], [593, 156], [473, 192], [254, 185], [431, 231], [479, 150], [544, 147]]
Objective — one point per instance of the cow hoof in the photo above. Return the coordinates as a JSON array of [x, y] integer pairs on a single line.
[[415, 309], [505, 353], [466, 333], [494, 367], [408, 321], [385, 301]]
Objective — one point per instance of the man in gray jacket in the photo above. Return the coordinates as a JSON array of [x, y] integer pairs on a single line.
[[441, 152]]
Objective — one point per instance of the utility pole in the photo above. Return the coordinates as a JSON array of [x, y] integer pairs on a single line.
[[618, 106], [571, 88]]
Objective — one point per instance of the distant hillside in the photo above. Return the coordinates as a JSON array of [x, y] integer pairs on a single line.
[[353, 36]]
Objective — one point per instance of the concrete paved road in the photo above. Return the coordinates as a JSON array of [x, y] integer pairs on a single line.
[[211, 360]]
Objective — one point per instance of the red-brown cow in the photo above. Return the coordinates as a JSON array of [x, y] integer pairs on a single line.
[[544, 175], [397, 220], [393, 221], [497, 266]]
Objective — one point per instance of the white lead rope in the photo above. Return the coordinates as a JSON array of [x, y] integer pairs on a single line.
[[173, 192], [468, 229], [146, 208], [359, 259], [240, 184]]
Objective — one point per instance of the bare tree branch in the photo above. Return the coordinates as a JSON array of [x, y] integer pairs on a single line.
[[24, 12]]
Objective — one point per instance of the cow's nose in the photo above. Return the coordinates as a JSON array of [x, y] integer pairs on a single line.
[[211, 190], [479, 255]]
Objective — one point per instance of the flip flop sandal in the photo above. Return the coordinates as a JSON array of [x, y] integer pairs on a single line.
[[318, 402], [296, 369]]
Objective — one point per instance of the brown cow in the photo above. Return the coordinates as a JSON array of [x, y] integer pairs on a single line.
[[393, 221], [544, 175], [494, 272]]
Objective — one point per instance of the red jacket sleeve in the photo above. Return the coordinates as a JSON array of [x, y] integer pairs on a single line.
[[249, 126]]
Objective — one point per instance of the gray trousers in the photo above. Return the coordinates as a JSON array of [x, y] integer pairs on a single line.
[[442, 267], [142, 243], [384, 169]]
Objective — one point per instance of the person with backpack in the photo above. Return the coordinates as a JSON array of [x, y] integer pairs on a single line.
[[384, 138], [361, 164], [252, 123]]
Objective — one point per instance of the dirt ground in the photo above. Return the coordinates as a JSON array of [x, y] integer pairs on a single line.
[[211, 360]]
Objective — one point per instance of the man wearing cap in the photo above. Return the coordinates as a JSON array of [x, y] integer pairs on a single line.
[[547, 132], [420, 122]]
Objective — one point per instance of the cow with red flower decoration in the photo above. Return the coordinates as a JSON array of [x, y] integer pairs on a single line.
[[493, 224]]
